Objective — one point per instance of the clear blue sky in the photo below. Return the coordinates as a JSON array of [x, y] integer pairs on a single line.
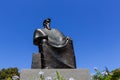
[[94, 26]]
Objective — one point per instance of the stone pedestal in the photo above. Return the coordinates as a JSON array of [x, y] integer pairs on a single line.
[[36, 61], [67, 74]]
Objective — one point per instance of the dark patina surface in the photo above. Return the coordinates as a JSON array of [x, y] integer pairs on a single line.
[[55, 49]]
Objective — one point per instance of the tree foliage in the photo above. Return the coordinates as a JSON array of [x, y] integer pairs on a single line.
[[106, 75], [8, 73], [116, 74]]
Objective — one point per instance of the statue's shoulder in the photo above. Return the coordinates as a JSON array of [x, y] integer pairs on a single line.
[[56, 30], [39, 32], [38, 29]]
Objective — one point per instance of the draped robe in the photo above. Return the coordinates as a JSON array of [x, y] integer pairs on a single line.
[[56, 49]]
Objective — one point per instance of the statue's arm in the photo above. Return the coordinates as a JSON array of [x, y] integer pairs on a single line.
[[39, 36]]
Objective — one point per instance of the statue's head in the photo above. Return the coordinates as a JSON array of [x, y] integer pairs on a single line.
[[46, 23]]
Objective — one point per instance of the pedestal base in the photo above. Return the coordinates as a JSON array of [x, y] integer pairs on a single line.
[[74, 74]]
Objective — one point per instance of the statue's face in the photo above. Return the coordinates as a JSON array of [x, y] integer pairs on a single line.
[[47, 26]]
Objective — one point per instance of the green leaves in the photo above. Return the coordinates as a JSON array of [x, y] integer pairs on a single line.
[[8, 73], [106, 75], [59, 77], [116, 74]]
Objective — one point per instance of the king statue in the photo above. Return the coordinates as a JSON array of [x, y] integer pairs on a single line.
[[55, 49]]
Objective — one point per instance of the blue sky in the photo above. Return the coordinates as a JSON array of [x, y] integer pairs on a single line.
[[94, 26]]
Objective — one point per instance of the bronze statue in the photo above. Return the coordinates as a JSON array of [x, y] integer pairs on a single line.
[[55, 48]]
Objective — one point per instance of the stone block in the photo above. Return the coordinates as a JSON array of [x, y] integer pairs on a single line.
[[74, 74], [36, 61]]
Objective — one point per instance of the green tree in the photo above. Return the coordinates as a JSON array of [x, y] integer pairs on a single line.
[[8, 73], [116, 74], [106, 75], [102, 75]]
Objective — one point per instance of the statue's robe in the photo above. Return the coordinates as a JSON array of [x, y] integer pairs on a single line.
[[56, 50]]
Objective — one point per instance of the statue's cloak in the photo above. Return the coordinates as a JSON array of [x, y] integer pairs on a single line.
[[56, 49]]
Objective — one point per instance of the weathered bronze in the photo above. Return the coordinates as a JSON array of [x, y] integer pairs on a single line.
[[56, 49]]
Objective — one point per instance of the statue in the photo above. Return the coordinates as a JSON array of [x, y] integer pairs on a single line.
[[55, 48]]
